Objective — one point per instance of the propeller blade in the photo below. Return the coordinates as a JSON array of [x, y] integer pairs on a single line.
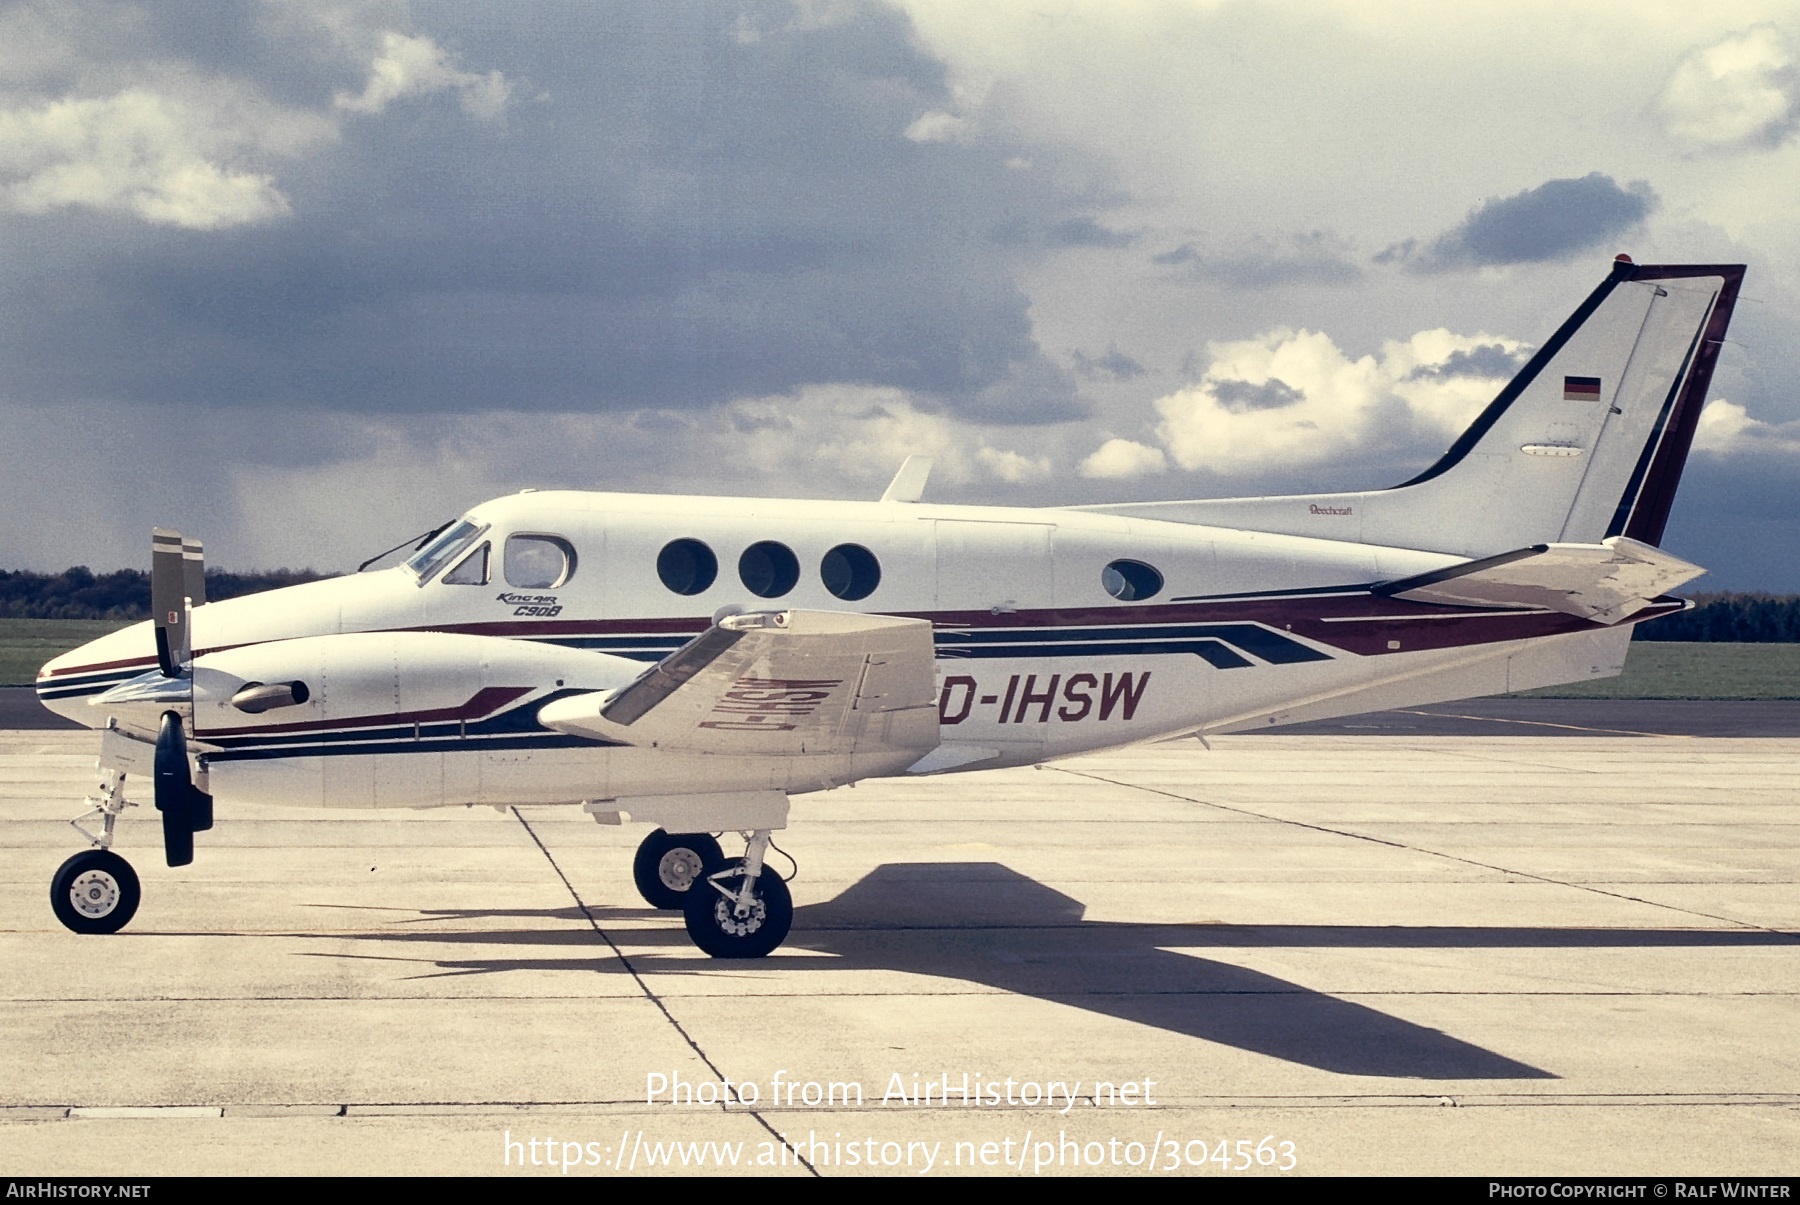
[[193, 571], [168, 601], [174, 788]]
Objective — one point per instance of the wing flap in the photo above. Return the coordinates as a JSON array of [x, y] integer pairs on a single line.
[[1605, 582], [783, 682]]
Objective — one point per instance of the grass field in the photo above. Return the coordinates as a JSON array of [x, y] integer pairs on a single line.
[[1654, 670], [1666, 670], [26, 644]]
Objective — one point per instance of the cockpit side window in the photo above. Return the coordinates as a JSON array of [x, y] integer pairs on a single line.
[[472, 570], [435, 555], [538, 562]]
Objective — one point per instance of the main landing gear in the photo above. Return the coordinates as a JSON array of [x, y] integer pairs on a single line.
[[733, 907], [668, 865], [740, 910]]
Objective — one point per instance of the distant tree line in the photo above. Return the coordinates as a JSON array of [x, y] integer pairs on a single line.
[[80, 593], [1737, 618]]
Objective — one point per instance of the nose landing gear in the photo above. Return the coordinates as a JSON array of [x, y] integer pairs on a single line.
[[96, 891]]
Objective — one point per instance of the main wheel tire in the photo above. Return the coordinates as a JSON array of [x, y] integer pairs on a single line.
[[713, 923], [667, 864], [96, 891]]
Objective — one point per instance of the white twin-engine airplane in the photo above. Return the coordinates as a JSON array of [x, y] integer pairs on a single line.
[[692, 662]]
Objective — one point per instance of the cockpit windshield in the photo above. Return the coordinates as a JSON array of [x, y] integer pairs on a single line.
[[429, 559]]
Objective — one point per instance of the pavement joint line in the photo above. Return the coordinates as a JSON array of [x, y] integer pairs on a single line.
[[975, 993], [1534, 763], [1450, 715], [367, 1110], [1436, 853], [645, 987]]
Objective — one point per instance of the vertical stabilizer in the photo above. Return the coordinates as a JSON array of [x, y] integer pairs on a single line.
[[1589, 440], [1586, 442]]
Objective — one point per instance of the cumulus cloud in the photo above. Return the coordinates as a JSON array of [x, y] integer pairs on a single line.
[[1741, 91], [1261, 262], [1489, 361], [411, 65], [1293, 398], [1552, 221], [633, 242], [1085, 231], [177, 157], [1726, 428], [939, 126], [1117, 459], [826, 441], [194, 138], [1115, 365], [839, 439], [1012, 467], [1240, 396]]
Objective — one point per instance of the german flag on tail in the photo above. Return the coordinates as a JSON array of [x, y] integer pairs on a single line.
[[1581, 389]]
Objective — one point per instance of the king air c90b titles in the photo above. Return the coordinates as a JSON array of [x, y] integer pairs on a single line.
[[692, 662]]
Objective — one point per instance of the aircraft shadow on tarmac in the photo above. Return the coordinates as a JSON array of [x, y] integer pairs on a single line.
[[984, 923]]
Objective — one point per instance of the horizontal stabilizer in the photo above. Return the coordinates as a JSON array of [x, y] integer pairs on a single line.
[[1605, 582], [782, 682]]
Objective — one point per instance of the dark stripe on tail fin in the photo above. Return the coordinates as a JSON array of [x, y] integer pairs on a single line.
[[1487, 418], [1653, 487]]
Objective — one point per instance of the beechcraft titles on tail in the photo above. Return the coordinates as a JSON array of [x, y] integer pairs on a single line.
[[690, 663]]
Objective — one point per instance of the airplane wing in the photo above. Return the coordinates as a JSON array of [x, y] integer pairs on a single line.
[[1605, 582], [776, 682]]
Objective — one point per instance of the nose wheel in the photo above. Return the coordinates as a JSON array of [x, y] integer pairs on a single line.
[[96, 891]]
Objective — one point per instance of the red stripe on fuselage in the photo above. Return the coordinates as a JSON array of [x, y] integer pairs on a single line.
[[480, 705], [97, 666], [1302, 615]]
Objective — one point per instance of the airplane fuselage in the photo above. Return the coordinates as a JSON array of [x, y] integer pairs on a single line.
[[1057, 632]]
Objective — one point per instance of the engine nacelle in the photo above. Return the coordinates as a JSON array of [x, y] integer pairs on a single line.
[[380, 719]]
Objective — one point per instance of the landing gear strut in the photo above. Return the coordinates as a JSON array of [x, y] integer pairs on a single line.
[[96, 891], [669, 864], [740, 911]]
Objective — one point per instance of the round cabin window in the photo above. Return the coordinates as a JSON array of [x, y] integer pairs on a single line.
[[850, 571], [768, 569], [1131, 581], [538, 562], [687, 566]]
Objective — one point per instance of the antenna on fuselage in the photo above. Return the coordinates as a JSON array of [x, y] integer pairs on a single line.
[[422, 541], [908, 484]]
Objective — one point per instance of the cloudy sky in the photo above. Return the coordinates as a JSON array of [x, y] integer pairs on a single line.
[[304, 278]]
